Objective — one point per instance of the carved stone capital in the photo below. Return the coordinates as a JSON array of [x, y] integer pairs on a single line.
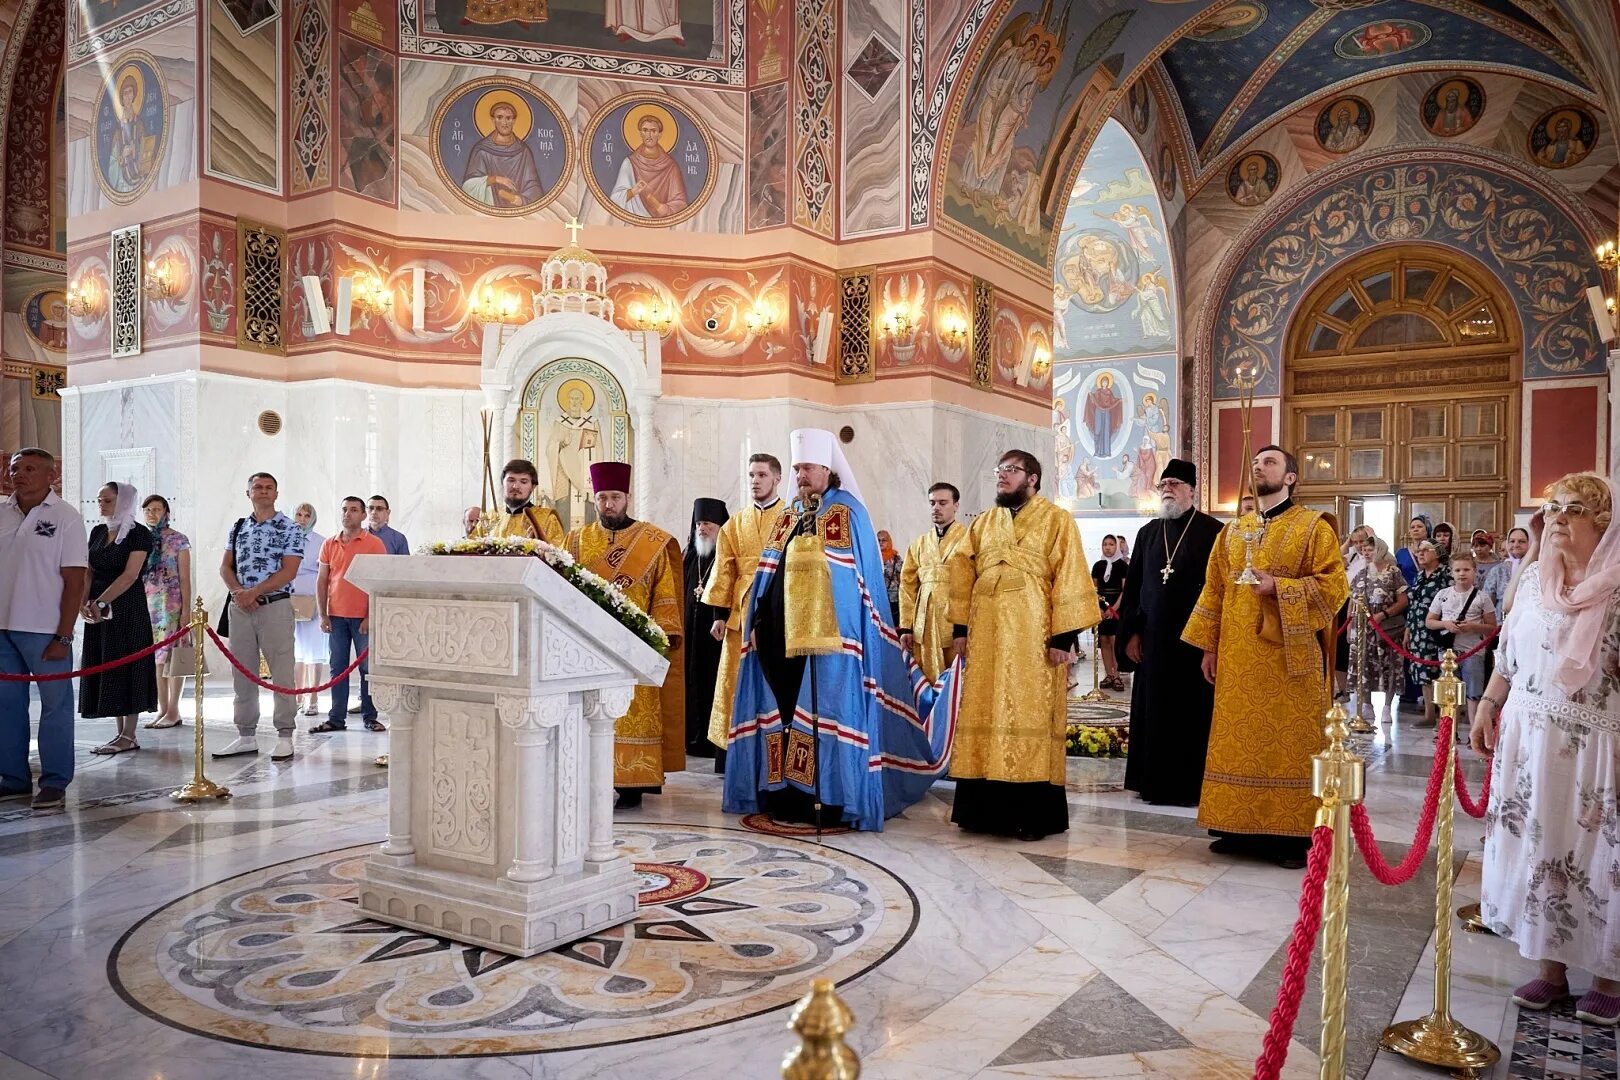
[[521, 712], [608, 703], [400, 701]]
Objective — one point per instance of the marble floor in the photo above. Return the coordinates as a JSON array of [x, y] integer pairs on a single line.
[[143, 938]]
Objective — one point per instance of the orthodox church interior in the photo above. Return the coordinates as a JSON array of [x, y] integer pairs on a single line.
[[363, 245]]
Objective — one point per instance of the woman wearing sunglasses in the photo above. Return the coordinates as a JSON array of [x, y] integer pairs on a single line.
[[1552, 716]]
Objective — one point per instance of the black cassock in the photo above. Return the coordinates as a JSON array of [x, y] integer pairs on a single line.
[[702, 654], [1171, 702]]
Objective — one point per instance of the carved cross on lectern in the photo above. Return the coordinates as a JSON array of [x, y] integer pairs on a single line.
[[573, 228]]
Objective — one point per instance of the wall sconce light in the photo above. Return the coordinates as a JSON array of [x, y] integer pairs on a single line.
[[158, 282], [1607, 255], [489, 308], [653, 317], [371, 295], [760, 320], [1041, 361], [953, 331], [898, 323], [87, 300]]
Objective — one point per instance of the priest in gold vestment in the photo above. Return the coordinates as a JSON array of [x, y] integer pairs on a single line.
[[731, 585], [1021, 592], [520, 517], [925, 625], [645, 562], [1263, 652]]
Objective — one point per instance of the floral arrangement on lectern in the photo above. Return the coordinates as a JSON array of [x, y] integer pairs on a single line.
[[606, 595]]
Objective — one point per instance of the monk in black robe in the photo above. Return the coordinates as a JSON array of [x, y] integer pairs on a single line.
[[702, 650], [1171, 701]]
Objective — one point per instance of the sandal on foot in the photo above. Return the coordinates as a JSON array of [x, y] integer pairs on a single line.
[[1598, 1008], [327, 726], [312, 709], [1537, 994], [162, 722], [121, 744], [375, 725]]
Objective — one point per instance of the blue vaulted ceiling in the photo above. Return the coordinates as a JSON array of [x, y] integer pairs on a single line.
[[1228, 87]]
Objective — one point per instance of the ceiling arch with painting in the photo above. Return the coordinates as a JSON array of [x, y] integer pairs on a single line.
[[1252, 62]]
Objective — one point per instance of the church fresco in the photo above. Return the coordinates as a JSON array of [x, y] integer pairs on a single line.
[[649, 161], [1452, 106], [1113, 282], [1562, 137], [574, 412], [131, 127], [367, 131], [92, 15], [767, 157], [1344, 124], [501, 146], [683, 36], [1473, 203], [1113, 421]]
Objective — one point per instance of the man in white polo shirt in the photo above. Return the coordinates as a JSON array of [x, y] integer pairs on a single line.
[[43, 571]]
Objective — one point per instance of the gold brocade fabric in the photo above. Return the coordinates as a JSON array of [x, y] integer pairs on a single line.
[[1270, 688], [1016, 582], [495, 12], [650, 738], [536, 523], [810, 622], [731, 585], [925, 589]]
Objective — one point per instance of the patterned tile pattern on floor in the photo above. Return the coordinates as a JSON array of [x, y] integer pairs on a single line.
[[1553, 1045]]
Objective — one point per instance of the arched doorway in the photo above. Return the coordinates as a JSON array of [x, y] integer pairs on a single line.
[[1402, 392]]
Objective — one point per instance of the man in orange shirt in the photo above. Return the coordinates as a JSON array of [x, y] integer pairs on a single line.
[[344, 611]]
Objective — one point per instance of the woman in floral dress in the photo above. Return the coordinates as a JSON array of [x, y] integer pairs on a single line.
[[1382, 588], [168, 600], [1433, 575], [1551, 879]]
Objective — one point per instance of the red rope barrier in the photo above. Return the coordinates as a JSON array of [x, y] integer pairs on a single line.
[[99, 668], [1361, 824], [253, 676], [1401, 650], [1274, 1051], [1470, 807]]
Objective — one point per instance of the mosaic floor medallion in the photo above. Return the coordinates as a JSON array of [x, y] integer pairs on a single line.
[[764, 823], [731, 925]]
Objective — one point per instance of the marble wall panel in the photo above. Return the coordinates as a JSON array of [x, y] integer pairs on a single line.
[[244, 101], [767, 157], [872, 147], [173, 49], [367, 133]]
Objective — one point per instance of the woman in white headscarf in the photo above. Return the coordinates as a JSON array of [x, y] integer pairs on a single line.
[[310, 645], [1551, 713], [117, 620]]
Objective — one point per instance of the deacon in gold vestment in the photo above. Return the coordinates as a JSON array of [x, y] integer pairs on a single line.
[[520, 518], [1263, 653], [645, 562], [925, 625], [1021, 592], [731, 585]]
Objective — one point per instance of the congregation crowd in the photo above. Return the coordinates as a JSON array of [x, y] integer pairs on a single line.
[[823, 703]]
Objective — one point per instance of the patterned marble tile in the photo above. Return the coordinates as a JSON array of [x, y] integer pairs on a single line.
[[1099, 1020], [1094, 881]]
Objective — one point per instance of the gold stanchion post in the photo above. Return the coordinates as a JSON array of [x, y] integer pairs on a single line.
[[821, 1018], [200, 786], [1359, 725], [1438, 1039], [1096, 693], [1339, 779]]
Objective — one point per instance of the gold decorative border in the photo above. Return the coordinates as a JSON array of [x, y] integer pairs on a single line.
[[663, 101], [518, 86], [121, 197]]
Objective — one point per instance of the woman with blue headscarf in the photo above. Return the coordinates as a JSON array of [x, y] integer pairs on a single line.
[[1419, 529]]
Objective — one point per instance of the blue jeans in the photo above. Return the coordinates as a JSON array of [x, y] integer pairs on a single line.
[[24, 654], [344, 632]]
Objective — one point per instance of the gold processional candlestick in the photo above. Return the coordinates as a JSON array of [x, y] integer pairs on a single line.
[[1246, 378], [488, 498], [1096, 693], [200, 786], [1339, 779], [1438, 1039], [1359, 725], [821, 1019]]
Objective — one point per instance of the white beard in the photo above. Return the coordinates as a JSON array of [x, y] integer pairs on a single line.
[[704, 545], [1169, 510]]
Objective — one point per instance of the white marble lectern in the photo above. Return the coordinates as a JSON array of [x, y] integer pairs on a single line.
[[501, 683]]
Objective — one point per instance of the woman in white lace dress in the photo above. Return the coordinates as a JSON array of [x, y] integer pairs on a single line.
[[1552, 842]]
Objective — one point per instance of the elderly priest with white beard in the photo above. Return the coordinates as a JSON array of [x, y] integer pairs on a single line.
[[1171, 701], [829, 725]]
